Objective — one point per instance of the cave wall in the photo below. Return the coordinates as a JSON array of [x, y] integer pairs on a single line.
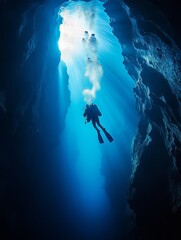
[[29, 120], [150, 43]]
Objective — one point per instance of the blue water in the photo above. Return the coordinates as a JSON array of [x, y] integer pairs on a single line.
[[83, 158]]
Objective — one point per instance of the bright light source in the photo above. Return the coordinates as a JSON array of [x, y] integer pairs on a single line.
[[72, 31], [78, 42]]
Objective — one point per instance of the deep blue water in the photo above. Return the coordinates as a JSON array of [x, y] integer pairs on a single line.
[[84, 159]]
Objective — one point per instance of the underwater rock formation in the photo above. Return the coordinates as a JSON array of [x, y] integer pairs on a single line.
[[29, 119], [152, 56]]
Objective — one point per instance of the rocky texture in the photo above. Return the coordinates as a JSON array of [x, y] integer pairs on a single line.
[[150, 46], [29, 120]]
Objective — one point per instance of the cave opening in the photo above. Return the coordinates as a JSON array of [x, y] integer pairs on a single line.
[[96, 175], [57, 180]]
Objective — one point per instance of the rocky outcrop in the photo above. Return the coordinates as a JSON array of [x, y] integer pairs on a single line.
[[152, 57]]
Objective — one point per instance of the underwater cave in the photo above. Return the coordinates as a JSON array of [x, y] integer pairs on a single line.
[[67, 175]]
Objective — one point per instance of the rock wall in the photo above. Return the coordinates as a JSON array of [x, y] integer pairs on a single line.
[[29, 120], [152, 56]]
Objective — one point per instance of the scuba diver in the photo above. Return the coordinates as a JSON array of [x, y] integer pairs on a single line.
[[92, 113]]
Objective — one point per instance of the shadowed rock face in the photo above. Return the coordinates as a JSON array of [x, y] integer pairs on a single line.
[[150, 43], [30, 121], [150, 40]]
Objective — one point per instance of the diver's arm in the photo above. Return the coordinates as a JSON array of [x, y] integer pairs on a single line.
[[85, 113]]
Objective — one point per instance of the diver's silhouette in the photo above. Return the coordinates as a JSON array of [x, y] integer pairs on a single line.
[[92, 113]]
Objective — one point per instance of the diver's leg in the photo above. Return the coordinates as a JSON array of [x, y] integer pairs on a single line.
[[109, 137], [98, 132], [94, 125], [98, 123]]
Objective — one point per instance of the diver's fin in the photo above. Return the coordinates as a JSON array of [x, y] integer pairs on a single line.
[[100, 138], [109, 137]]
